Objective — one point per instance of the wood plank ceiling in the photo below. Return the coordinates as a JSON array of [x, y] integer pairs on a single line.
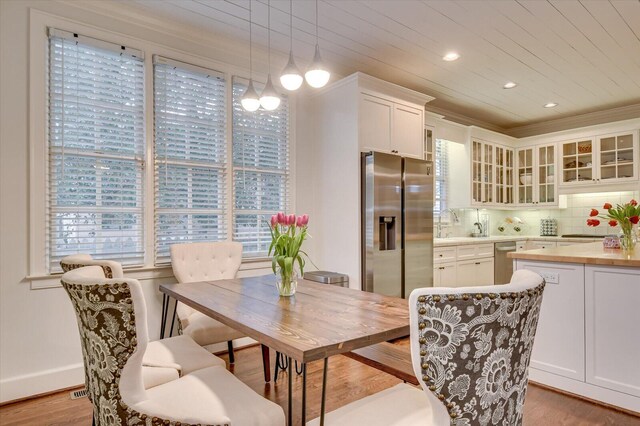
[[584, 55]]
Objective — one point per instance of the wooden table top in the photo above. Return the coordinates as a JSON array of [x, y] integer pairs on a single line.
[[319, 321], [588, 254]]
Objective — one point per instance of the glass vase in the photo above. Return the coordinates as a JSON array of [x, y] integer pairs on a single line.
[[627, 240], [286, 283]]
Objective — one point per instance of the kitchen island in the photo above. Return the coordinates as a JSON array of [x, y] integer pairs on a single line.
[[588, 338]]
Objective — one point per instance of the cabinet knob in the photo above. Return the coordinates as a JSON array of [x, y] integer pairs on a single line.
[[440, 255], [477, 263]]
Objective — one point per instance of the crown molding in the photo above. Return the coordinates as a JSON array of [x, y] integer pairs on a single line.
[[576, 121], [464, 119]]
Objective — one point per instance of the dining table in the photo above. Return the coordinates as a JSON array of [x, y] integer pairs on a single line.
[[317, 322]]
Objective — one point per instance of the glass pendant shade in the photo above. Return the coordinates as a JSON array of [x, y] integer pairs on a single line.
[[317, 75], [250, 100], [269, 98], [291, 78]]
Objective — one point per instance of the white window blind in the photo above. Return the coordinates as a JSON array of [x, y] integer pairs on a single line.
[[260, 171], [441, 176], [190, 155], [96, 149]]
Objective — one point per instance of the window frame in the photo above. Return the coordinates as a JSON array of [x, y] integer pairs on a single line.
[[38, 276]]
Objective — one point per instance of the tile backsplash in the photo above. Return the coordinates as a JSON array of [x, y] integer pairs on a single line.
[[571, 220]]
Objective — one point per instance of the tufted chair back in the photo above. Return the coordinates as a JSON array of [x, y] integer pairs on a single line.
[[111, 316], [192, 262], [471, 349], [111, 268]]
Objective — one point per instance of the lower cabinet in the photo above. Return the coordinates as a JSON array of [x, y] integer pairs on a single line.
[[588, 341], [612, 303], [475, 272], [559, 344], [444, 275]]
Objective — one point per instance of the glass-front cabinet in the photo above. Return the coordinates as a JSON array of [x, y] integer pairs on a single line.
[[536, 175], [603, 159], [492, 174], [525, 175], [546, 177], [615, 159], [428, 143], [504, 174]]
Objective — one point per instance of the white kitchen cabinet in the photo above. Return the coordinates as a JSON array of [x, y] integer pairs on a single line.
[[612, 334], [389, 126], [598, 160], [521, 245], [376, 118], [444, 254], [429, 143], [505, 183], [559, 343], [477, 272], [536, 176], [533, 245], [445, 275], [407, 131]]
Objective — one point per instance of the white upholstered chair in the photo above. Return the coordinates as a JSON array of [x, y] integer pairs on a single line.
[[166, 359], [192, 262], [111, 316], [470, 349]]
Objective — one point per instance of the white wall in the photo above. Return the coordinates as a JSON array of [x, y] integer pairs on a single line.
[[39, 343]]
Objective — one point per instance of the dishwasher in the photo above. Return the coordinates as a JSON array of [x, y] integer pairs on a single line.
[[503, 268]]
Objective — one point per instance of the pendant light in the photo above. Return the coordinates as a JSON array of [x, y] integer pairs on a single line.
[[291, 78], [269, 98], [250, 100], [318, 75]]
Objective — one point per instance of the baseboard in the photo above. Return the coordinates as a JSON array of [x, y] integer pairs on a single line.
[[626, 402], [48, 381], [42, 382]]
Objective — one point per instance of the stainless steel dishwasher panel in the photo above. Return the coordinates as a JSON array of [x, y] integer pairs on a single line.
[[503, 266]]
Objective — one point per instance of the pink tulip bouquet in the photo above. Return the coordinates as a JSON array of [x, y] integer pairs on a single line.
[[288, 232]]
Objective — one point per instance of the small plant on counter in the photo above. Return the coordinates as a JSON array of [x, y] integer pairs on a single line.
[[626, 215]]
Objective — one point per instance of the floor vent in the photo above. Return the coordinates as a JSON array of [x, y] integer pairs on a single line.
[[79, 394]]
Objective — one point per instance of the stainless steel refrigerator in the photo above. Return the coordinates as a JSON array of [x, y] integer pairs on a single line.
[[397, 224]]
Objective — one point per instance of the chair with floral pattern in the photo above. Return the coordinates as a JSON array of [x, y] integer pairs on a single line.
[[470, 349], [166, 359], [111, 314]]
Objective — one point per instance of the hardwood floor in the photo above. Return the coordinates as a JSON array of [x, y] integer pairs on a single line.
[[348, 381]]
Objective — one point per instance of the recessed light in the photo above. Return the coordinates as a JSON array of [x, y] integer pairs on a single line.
[[550, 105], [451, 56], [510, 85]]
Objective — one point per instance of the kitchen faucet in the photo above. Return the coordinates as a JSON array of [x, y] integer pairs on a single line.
[[439, 227]]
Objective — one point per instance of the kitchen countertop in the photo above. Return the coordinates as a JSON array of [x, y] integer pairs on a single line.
[[588, 254], [459, 241]]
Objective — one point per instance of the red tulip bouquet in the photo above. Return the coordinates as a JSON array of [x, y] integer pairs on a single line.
[[288, 232], [625, 215]]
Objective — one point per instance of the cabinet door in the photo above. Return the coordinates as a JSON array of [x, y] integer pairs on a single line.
[[559, 342], [446, 274], [488, 165], [475, 272], [429, 143], [376, 118], [485, 274], [525, 176], [407, 131], [476, 172], [612, 335], [541, 244], [577, 162], [500, 174], [615, 157], [546, 185]]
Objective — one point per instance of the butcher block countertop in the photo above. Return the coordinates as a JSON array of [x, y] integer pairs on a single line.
[[588, 254]]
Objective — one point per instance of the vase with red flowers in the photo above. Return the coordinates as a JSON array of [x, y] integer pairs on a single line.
[[625, 215], [288, 232]]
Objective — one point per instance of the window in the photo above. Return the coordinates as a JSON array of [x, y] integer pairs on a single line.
[[441, 177], [190, 155], [260, 171], [95, 150]]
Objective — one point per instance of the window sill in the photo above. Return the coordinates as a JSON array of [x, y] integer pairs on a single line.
[[142, 273]]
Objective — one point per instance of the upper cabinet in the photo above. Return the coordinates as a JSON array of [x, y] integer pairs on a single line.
[[598, 160], [390, 126], [536, 182], [429, 143], [492, 174]]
